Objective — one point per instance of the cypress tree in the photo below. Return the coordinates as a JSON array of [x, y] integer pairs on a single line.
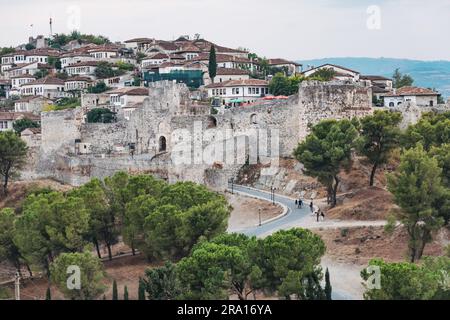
[[125, 293], [212, 68], [328, 288], [141, 293], [115, 295], [48, 294]]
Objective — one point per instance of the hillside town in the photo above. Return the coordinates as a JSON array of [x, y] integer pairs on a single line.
[[32, 80], [186, 169]]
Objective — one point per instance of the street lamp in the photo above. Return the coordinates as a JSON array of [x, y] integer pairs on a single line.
[[232, 185], [259, 213]]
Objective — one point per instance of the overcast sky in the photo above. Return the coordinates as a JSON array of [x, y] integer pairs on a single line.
[[293, 29]]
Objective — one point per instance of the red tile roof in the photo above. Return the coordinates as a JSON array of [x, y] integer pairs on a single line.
[[231, 72], [275, 62], [412, 91], [46, 80], [239, 83], [12, 116]]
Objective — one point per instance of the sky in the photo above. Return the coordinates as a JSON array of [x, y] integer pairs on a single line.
[[292, 29]]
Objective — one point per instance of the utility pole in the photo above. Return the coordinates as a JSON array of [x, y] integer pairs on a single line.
[[17, 286]]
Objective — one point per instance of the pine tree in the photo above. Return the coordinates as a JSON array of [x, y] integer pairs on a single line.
[[115, 295], [212, 68], [328, 288], [141, 293], [48, 294], [125, 293]]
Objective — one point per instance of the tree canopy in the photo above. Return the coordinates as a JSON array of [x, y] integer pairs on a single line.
[[326, 151], [379, 135], [13, 151], [408, 281], [23, 124], [401, 80]]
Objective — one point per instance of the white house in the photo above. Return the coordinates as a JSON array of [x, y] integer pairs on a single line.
[[154, 60], [123, 97], [238, 91], [74, 58], [85, 68], [77, 84], [104, 53], [226, 74], [48, 87], [342, 73], [22, 69], [291, 66], [18, 81], [7, 119], [228, 61], [421, 97], [34, 104]]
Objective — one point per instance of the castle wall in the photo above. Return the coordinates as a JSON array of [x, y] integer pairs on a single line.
[[169, 119]]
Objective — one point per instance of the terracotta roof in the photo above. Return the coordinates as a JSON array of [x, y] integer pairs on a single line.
[[189, 48], [333, 65], [412, 91], [221, 58], [87, 79], [5, 82], [84, 64], [138, 40], [33, 130], [158, 56], [75, 54], [46, 80], [22, 76], [278, 61], [130, 91], [239, 83], [12, 116], [374, 78], [231, 72], [166, 45]]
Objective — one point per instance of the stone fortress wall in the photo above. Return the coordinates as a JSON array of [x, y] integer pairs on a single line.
[[157, 135]]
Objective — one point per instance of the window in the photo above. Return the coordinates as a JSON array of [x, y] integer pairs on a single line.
[[431, 103], [3, 124], [253, 119], [162, 144], [391, 104]]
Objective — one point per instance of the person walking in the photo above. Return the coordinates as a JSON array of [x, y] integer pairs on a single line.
[[300, 203], [318, 215], [311, 206], [322, 214]]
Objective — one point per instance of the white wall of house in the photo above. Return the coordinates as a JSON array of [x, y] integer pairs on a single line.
[[50, 91], [37, 58], [103, 54], [421, 101], [18, 82], [81, 70], [337, 69], [6, 125], [67, 61], [76, 85], [246, 93]]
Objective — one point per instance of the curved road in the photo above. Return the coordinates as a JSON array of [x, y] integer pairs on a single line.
[[295, 217]]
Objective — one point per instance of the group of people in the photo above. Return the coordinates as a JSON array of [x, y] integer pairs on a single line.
[[315, 211]]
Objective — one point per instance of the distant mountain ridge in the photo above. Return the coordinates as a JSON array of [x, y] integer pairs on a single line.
[[428, 74]]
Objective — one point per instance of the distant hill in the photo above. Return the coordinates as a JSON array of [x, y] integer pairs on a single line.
[[428, 74]]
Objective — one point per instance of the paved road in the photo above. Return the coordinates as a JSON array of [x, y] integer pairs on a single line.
[[294, 217]]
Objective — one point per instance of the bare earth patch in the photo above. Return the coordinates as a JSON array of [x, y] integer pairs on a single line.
[[245, 212], [361, 244]]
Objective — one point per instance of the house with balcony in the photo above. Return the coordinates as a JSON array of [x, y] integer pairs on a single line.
[[236, 92], [49, 87]]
